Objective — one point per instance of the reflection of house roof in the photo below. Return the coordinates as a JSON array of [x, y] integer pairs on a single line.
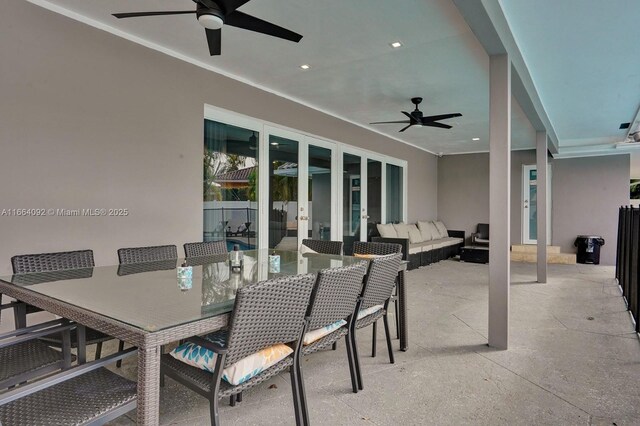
[[241, 175]]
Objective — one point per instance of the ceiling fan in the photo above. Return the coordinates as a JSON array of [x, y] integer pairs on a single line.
[[213, 14], [417, 119]]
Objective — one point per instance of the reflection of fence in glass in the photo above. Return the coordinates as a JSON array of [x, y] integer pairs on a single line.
[[235, 225]]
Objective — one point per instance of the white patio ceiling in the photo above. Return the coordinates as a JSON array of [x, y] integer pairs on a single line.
[[357, 76]]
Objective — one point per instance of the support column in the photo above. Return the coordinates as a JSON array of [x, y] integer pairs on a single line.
[[499, 199], [541, 204]]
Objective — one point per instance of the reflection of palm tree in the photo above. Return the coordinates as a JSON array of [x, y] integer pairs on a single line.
[[219, 285], [634, 188]]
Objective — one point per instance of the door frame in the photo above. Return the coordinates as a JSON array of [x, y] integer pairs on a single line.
[[525, 204]]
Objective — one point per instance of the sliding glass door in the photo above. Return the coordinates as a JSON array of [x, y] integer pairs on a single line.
[[230, 184], [300, 189], [305, 187]]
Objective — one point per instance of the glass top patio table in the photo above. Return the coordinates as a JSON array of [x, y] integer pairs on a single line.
[[147, 295]]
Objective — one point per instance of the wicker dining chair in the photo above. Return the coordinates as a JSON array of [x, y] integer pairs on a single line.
[[264, 314], [377, 290], [147, 254], [334, 298], [56, 262], [380, 249], [324, 247], [24, 357], [132, 255], [210, 248], [87, 394]]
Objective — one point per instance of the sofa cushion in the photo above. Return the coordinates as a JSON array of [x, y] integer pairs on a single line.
[[449, 241], [435, 234], [425, 231], [387, 231], [415, 248], [442, 230], [402, 231], [414, 234]]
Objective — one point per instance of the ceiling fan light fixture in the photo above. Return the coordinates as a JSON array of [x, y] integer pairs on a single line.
[[210, 21], [475, 139], [395, 44], [305, 66]]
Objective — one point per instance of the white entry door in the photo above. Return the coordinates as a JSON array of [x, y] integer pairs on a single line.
[[530, 205]]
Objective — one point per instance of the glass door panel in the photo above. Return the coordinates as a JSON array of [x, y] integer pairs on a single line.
[[352, 207], [283, 193], [374, 194], [395, 193], [530, 205], [230, 185], [319, 206]]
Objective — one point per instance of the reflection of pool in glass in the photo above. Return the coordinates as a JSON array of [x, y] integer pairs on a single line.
[[242, 245]]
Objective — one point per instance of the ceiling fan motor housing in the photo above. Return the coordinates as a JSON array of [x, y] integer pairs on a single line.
[[212, 19]]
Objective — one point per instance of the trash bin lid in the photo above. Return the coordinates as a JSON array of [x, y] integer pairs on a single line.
[[590, 236]]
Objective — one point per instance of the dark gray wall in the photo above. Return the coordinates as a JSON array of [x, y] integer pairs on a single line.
[[90, 120], [586, 193]]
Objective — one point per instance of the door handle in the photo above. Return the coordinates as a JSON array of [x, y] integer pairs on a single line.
[[304, 217], [365, 216]]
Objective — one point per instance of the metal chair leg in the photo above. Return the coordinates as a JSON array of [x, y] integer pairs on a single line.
[[334, 346], [120, 349], [303, 396], [214, 412], [232, 400], [295, 389], [239, 397], [385, 320], [397, 317], [354, 347], [98, 350], [352, 366], [373, 342]]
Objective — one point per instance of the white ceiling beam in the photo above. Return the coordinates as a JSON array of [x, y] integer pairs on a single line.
[[487, 21]]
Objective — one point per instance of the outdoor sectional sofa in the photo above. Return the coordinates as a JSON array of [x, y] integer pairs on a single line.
[[423, 243]]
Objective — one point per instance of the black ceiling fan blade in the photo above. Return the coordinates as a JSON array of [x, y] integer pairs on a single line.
[[391, 122], [139, 14], [231, 5], [406, 127], [251, 23], [436, 124], [214, 40], [408, 115], [440, 117]]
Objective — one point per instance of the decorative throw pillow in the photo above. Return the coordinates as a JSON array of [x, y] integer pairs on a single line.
[[241, 371], [387, 231], [304, 249], [434, 231], [319, 333], [441, 229], [366, 312], [366, 256], [401, 230], [425, 231], [414, 234]]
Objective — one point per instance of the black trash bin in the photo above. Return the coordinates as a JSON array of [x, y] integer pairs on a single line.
[[589, 248]]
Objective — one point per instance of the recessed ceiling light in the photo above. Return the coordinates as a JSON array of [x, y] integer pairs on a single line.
[[305, 66], [396, 44], [475, 139], [275, 143]]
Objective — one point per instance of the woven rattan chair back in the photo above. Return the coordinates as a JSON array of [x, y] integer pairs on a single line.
[[268, 313], [48, 262], [324, 247], [381, 278], [147, 254], [335, 295], [377, 249], [205, 249]]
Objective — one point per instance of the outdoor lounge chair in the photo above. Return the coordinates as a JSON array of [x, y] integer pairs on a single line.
[[481, 236], [325, 247]]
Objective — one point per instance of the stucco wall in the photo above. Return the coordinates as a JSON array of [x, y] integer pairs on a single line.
[[90, 120]]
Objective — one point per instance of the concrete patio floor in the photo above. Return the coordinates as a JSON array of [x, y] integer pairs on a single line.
[[574, 359]]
